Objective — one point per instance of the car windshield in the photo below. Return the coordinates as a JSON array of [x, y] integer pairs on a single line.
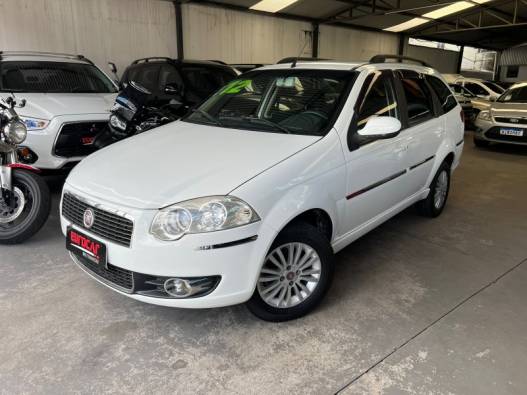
[[281, 101], [53, 77], [492, 86], [514, 95]]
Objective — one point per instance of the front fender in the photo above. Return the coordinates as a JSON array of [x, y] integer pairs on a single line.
[[314, 178], [6, 173]]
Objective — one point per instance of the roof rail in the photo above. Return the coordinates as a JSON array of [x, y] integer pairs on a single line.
[[295, 59], [146, 60], [48, 54], [383, 58]]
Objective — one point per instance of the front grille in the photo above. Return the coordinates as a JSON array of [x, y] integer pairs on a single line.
[[120, 278], [76, 139], [514, 120], [494, 134], [108, 225]]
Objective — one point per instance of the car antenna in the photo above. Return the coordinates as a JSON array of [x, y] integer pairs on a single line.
[[293, 65]]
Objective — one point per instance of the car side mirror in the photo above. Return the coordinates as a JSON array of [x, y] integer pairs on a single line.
[[383, 127], [172, 89]]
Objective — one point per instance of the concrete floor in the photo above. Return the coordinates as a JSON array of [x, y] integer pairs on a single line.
[[418, 306]]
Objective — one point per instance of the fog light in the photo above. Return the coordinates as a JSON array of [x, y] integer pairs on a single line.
[[178, 287]]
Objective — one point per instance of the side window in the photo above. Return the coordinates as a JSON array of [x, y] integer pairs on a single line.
[[419, 102], [476, 89], [168, 74], [203, 80], [379, 99], [146, 76], [443, 93]]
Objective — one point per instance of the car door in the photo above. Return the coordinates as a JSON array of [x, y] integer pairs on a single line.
[[424, 127], [374, 167]]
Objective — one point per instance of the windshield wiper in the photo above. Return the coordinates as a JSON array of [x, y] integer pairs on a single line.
[[268, 123], [209, 117]]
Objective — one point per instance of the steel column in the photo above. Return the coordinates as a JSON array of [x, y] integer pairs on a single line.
[[179, 30]]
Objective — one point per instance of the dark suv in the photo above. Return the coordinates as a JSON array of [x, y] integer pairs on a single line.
[[189, 81]]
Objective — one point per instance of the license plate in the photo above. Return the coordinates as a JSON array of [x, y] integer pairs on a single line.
[[85, 246], [511, 132]]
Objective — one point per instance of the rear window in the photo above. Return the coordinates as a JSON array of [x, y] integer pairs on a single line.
[[418, 100], [53, 77], [443, 93], [145, 75], [204, 81]]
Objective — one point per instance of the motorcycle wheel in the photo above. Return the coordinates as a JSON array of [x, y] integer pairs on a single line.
[[30, 211]]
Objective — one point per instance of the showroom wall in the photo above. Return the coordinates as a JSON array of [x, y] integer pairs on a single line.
[[123, 30], [354, 45], [442, 60], [103, 30], [240, 37]]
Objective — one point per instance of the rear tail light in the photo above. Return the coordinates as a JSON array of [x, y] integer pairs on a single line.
[[462, 114]]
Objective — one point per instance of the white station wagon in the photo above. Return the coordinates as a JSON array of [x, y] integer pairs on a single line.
[[248, 198]]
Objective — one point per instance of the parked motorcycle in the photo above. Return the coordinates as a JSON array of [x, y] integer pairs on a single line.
[[130, 115], [25, 200]]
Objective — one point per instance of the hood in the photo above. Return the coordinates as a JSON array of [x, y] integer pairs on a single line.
[[49, 105], [181, 161], [514, 110]]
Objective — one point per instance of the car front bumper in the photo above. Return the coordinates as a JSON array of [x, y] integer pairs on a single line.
[[233, 256], [42, 142], [490, 131]]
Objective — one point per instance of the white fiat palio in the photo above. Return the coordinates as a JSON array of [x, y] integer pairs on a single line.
[[248, 198]]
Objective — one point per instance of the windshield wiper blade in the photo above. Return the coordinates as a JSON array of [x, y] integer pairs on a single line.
[[209, 117], [268, 123]]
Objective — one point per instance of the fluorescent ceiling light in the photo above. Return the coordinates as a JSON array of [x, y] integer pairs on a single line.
[[436, 14], [272, 5], [407, 25]]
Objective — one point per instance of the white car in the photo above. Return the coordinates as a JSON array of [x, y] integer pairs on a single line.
[[486, 90], [248, 198], [68, 100]]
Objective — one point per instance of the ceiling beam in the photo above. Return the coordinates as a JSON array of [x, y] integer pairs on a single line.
[[470, 12]]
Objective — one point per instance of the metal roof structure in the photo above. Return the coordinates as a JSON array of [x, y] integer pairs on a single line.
[[490, 24]]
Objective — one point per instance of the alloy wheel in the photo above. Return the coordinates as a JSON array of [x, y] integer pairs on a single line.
[[441, 189], [290, 274]]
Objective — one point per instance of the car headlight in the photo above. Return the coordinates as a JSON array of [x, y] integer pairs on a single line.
[[484, 115], [206, 214], [35, 123], [117, 122], [15, 132]]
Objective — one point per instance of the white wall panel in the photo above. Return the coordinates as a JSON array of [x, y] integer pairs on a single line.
[[354, 45], [102, 30], [238, 37], [442, 60]]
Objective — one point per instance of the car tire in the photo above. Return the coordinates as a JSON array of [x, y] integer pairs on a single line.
[[38, 212], [436, 200], [295, 276], [481, 143]]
